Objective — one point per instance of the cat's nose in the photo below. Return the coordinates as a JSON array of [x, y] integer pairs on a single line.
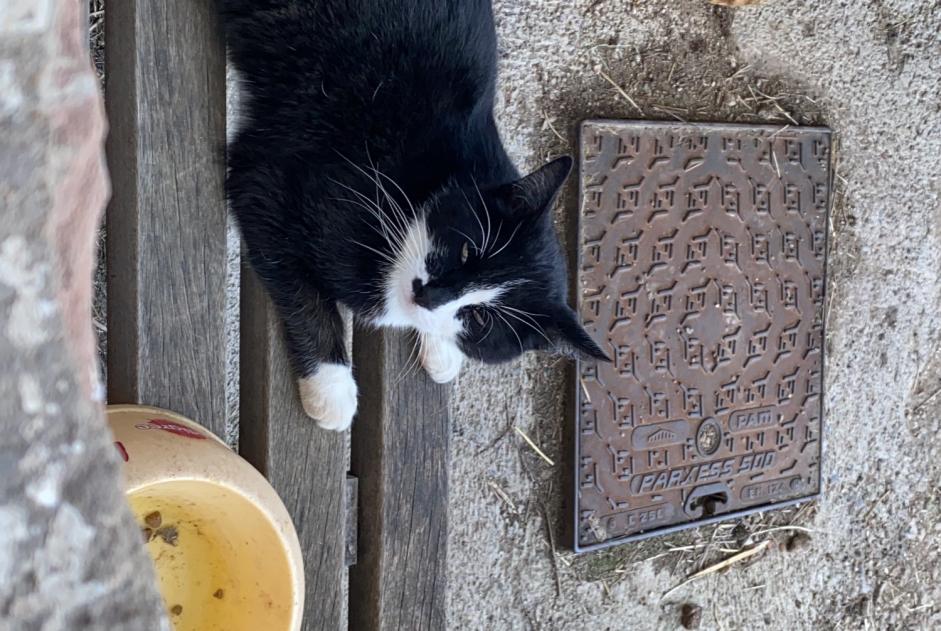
[[419, 295], [428, 297]]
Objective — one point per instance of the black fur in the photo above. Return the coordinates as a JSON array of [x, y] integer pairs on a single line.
[[345, 95]]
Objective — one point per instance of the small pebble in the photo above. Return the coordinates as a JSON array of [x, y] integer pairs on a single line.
[[169, 535], [176, 610], [153, 519], [690, 616], [218, 594], [797, 541]]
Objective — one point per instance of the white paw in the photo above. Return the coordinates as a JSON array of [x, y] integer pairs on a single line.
[[442, 359], [329, 396]]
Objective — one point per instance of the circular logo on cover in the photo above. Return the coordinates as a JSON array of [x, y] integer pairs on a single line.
[[709, 437]]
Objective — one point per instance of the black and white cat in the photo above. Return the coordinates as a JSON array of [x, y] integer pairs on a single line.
[[368, 172]]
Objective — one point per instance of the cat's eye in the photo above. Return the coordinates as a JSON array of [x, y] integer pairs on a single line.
[[479, 316], [465, 252]]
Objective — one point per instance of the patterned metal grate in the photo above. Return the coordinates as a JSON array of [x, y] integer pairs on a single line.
[[702, 270]]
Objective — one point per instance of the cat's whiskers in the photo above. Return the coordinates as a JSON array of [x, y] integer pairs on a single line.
[[528, 321], [491, 322], [508, 241], [531, 315], [376, 211], [507, 322], [397, 212], [405, 243], [469, 239], [382, 230], [380, 253], [398, 215], [486, 212], [396, 207], [413, 361], [416, 240], [399, 189], [496, 237], [480, 224]]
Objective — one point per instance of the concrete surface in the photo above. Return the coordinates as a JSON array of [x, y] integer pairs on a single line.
[[870, 69], [70, 552]]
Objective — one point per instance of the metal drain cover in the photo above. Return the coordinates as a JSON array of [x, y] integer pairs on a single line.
[[702, 272]]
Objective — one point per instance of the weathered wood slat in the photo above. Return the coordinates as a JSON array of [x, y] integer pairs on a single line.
[[305, 464], [400, 456], [352, 519], [166, 221]]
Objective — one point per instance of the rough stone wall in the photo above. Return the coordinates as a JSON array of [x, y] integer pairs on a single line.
[[70, 556]]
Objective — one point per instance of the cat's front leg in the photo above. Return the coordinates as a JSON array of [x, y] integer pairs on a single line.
[[316, 344], [441, 358], [328, 395]]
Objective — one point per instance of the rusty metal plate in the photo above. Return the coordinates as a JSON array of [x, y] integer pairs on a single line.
[[702, 270]]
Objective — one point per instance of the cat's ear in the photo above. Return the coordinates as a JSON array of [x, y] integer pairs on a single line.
[[534, 194], [570, 338]]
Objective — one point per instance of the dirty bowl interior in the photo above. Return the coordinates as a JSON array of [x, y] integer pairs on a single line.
[[218, 559], [224, 549]]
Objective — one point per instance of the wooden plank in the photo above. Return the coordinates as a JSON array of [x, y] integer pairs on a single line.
[[305, 464], [400, 455], [166, 222], [352, 519]]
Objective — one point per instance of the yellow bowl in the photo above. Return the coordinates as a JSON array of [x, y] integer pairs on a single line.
[[223, 545]]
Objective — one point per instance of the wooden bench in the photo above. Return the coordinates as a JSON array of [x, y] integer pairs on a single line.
[[167, 257]]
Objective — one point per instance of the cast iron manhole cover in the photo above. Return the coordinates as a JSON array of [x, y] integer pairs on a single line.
[[702, 272]]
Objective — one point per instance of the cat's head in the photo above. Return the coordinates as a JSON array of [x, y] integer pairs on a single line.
[[488, 272]]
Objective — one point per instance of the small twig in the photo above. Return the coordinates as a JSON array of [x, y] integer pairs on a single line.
[[648, 559], [585, 390], [670, 113], [774, 102], [552, 553], [917, 379], [621, 91], [548, 124], [503, 496], [721, 565], [780, 528], [874, 504], [739, 72], [530, 442], [709, 544], [506, 430], [931, 398]]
